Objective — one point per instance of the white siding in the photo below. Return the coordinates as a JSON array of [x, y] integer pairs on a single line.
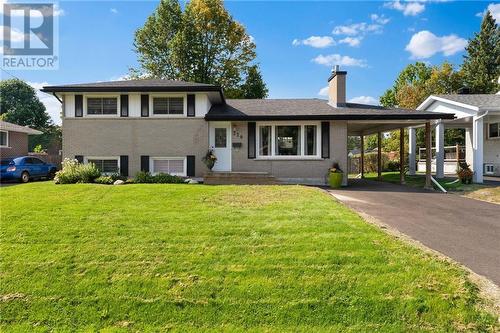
[[491, 149], [442, 107], [69, 105], [134, 105], [202, 105]]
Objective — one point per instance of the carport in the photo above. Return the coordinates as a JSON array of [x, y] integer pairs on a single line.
[[396, 121]]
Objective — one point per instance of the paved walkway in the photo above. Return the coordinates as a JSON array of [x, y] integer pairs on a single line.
[[466, 230]]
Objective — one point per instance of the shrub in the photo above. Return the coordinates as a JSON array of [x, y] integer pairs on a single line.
[[160, 178], [392, 165], [73, 172], [143, 177], [106, 180]]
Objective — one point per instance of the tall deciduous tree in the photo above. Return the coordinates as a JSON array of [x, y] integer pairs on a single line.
[[481, 65], [203, 44], [20, 105], [413, 85]]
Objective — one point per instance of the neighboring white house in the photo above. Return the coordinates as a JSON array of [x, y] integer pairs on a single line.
[[479, 114]]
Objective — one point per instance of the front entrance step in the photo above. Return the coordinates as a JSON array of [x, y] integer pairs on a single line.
[[240, 178]]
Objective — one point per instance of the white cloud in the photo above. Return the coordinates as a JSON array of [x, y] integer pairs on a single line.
[[15, 34], [123, 77], [364, 100], [337, 59], [412, 8], [356, 29], [351, 41], [315, 41], [424, 44], [380, 19], [114, 10], [52, 105], [494, 9], [323, 91]]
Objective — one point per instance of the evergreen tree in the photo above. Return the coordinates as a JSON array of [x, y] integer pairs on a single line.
[[254, 86], [481, 65]]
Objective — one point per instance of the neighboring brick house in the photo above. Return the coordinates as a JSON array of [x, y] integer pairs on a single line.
[[14, 139]]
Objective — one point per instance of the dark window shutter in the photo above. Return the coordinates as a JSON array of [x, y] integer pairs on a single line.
[[78, 105], [79, 158], [144, 163], [124, 165], [325, 139], [144, 105], [124, 105], [191, 110], [251, 140], [190, 159]]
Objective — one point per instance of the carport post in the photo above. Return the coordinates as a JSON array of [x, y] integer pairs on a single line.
[[428, 156], [362, 161], [402, 155], [379, 155]]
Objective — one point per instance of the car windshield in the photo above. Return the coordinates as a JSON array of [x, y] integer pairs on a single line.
[[5, 162]]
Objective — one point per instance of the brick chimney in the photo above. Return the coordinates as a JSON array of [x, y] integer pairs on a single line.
[[336, 87]]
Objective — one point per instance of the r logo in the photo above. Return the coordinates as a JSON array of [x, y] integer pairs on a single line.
[[28, 29]]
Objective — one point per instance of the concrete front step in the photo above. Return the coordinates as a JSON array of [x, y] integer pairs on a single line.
[[240, 178]]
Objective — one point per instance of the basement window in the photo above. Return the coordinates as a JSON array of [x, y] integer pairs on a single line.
[[107, 165], [175, 166]]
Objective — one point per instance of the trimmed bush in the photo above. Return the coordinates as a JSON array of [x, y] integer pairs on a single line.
[[73, 172], [144, 177], [106, 180]]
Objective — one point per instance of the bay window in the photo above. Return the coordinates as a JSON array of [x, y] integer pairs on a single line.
[[288, 141], [265, 140]]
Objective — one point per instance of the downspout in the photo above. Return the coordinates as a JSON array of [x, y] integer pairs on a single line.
[[57, 97]]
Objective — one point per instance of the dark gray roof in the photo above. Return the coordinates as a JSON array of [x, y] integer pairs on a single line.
[[133, 85], [482, 101], [310, 109]]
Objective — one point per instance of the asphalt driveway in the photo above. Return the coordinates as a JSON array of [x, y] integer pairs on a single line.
[[466, 230]]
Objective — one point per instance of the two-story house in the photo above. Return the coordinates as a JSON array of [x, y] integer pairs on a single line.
[[168, 126]]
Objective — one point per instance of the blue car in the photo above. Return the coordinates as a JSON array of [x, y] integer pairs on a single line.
[[25, 168]]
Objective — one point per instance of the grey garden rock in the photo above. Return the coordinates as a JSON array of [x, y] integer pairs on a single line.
[[118, 182]]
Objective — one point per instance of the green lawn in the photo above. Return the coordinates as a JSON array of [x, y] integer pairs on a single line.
[[215, 258], [476, 191]]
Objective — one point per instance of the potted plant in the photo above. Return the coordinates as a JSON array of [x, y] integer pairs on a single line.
[[464, 173], [209, 159], [335, 176]]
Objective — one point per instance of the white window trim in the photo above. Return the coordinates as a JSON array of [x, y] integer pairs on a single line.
[[117, 158], [184, 105], [488, 129], [486, 172], [7, 139], [163, 158], [85, 106], [302, 141]]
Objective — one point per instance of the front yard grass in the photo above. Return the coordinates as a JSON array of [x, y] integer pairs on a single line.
[[476, 191], [215, 258]]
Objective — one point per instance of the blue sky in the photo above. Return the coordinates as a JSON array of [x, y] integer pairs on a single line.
[[297, 42]]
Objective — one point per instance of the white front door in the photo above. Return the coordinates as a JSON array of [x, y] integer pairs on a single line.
[[220, 142]]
